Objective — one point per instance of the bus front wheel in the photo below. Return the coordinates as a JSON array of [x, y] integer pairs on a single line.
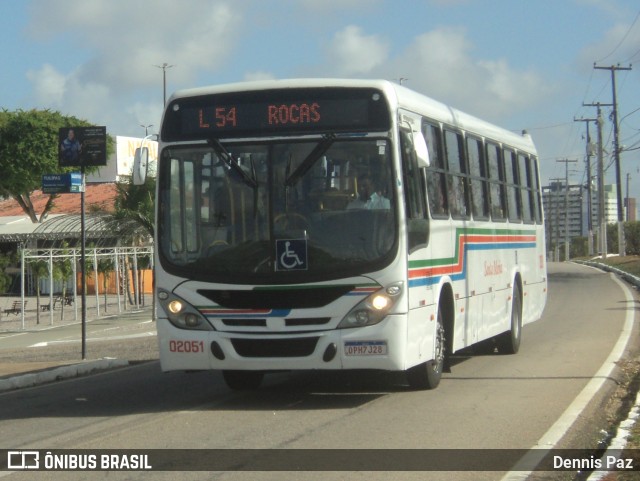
[[243, 380], [428, 374]]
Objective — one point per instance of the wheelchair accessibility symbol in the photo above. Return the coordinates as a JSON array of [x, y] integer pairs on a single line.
[[291, 254]]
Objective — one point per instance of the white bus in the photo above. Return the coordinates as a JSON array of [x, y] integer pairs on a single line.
[[340, 224]]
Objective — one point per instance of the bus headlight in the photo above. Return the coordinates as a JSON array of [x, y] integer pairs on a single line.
[[182, 314], [372, 309]]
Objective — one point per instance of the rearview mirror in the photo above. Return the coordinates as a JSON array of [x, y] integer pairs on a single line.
[[140, 165]]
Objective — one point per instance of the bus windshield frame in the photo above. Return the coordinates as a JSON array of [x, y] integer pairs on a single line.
[[277, 210]]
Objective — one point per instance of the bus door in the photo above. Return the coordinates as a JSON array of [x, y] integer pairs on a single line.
[[419, 335]]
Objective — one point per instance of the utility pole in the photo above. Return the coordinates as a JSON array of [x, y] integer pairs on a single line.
[[601, 215], [566, 206], [589, 192], [627, 202], [602, 221], [555, 187], [616, 153]]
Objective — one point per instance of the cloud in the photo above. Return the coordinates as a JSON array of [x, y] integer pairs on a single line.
[[333, 5], [441, 64], [118, 48], [619, 44], [127, 42], [109, 73], [351, 52], [613, 9], [48, 84]]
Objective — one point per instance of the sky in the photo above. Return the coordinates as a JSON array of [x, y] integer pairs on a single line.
[[521, 64]]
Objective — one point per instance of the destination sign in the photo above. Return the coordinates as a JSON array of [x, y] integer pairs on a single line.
[[283, 111]]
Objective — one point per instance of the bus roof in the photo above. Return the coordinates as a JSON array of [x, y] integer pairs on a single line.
[[398, 97]]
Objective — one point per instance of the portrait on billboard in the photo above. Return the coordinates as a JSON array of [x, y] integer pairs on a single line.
[[82, 146], [70, 148]]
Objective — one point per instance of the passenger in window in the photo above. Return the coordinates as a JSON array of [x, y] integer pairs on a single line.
[[377, 199], [370, 195]]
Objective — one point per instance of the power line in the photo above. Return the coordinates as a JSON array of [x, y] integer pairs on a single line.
[[622, 40]]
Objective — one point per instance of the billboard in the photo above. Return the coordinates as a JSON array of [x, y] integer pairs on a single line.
[[82, 146]]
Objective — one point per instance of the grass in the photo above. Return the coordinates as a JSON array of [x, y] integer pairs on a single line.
[[630, 264]]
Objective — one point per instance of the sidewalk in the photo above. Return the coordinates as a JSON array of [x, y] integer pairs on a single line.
[[61, 315], [21, 368]]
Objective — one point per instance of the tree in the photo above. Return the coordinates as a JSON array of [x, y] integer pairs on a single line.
[[39, 269], [62, 271], [29, 149], [104, 268], [135, 202], [5, 280]]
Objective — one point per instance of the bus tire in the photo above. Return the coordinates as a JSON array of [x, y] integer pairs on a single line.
[[427, 375], [509, 342], [243, 380]]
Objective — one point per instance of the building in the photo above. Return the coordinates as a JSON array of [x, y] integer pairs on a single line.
[[631, 209], [566, 210]]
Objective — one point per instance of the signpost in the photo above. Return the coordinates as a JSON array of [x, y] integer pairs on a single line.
[[78, 147]]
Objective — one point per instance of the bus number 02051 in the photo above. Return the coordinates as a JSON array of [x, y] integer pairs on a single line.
[[186, 346]]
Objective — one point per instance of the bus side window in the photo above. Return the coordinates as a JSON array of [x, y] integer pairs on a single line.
[[457, 175], [414, 193], [537, 209], [513, 190], [436, 173], [479, 181], [528, 215], [496, 186]]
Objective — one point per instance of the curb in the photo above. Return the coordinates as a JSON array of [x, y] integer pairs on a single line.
[[59, 373], [631, 279]]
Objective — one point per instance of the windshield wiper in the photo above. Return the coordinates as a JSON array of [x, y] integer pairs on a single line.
[[230, 164], [311, 159]]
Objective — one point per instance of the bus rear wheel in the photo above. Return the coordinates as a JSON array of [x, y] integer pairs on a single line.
[[509, 342], [243, 380], [428, 374]]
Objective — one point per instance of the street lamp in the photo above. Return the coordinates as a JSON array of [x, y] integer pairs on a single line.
[[164, 68], [146, 128]]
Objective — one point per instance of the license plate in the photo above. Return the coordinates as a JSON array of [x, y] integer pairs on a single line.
[[365, 348]]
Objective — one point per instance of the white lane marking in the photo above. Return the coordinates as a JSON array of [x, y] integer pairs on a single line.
[[109, 338], [566, 420]]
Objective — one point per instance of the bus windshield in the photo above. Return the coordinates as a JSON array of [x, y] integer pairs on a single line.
[[277, 211]]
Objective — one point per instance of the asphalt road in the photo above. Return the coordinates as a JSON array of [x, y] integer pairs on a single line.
[[486, 401]]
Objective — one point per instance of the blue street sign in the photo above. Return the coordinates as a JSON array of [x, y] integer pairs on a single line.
[[62, 183]]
